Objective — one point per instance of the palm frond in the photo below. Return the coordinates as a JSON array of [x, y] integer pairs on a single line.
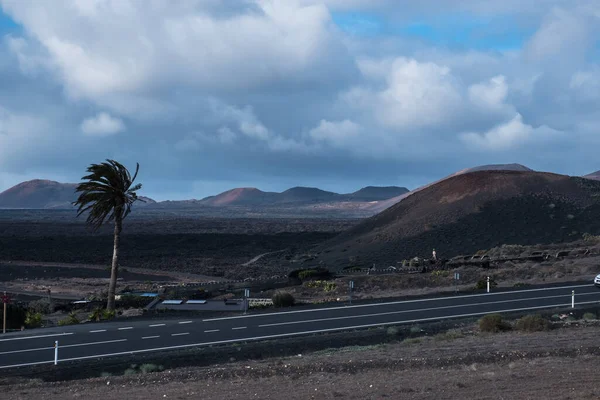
[[106, 193]]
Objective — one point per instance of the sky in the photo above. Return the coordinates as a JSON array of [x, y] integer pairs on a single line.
[[209, 95]]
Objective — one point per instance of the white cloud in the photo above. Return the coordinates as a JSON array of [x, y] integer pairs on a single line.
[[507, 136], [104, 47], [491, 94], [415, 95], [335, 132], [102, 125]]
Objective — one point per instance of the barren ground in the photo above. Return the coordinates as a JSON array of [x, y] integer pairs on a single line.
[[559, 364]]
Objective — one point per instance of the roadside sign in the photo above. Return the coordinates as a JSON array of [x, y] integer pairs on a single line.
[[456, 276], [5, 298], [351, 283]]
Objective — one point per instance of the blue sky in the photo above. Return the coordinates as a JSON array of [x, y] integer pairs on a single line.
[[7, 25], [460, 31], [208, 96]]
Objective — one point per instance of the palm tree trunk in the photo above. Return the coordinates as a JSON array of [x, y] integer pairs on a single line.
[[114, 270]]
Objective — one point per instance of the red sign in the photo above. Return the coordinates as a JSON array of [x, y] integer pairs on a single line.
[[5, 299]]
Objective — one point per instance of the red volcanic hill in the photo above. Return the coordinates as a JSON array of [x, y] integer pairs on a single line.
[[473, 211], [379, 207], [43, 194], [239, 197], [594, 175]]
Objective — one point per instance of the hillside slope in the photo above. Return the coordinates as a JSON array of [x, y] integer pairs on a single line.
[[474, 211], [594, 175], [45, 194], [383, 205]]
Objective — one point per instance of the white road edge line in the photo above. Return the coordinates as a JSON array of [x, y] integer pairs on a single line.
[[150, 337], [211, 330], [239, 327], [63, 346], [185, 322], [98, 330], [126, 328], [27, 350], [155, 325], [36, 337], [294, 334], [407, 311], [396, 302], [180, 334]]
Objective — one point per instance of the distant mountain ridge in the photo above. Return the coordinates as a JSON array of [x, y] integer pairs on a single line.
[[594, 175], [45, 194]]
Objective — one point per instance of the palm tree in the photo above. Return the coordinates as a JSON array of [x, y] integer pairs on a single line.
[[108, 192]]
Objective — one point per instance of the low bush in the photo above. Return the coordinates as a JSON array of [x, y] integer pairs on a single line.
[[70, 320], [589, 315], [392, 331], [148, 368], [283, 299], [532, 323], [106, 314], [492, 323], [33, 319]]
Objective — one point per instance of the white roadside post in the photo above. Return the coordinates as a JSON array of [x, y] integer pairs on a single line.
[[488, 284], [350, 288], [56, 352], [573, 299]]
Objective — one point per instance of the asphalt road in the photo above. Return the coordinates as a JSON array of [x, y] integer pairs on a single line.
[[96, 340]]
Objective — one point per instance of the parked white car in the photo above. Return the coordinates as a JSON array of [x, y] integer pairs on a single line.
[[597, 280]]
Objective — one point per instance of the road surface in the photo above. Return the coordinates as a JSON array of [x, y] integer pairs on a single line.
[[95, 340]]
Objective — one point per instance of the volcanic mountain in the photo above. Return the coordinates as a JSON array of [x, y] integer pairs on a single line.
[[473, 211], [594, 175], [379, 207], [43, 194]]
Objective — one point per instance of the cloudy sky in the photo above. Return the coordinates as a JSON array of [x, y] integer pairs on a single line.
[[208, 95]]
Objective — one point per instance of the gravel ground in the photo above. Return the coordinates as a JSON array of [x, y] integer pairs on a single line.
[[559, 364]]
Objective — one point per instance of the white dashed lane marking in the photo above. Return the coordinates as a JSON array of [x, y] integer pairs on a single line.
[[125, 328], [155, 325], [211, 330], [150, 337], [180, 334], [239, 327]]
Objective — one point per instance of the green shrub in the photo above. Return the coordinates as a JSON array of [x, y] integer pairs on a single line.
[[589, 315], [415, 329], [283, 299], [41, 306], [70, 320], [392, 331], [148, 368], [492, 323], [96, 315], [33, 320], [129, 372], [532, 323], [106, 314]]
